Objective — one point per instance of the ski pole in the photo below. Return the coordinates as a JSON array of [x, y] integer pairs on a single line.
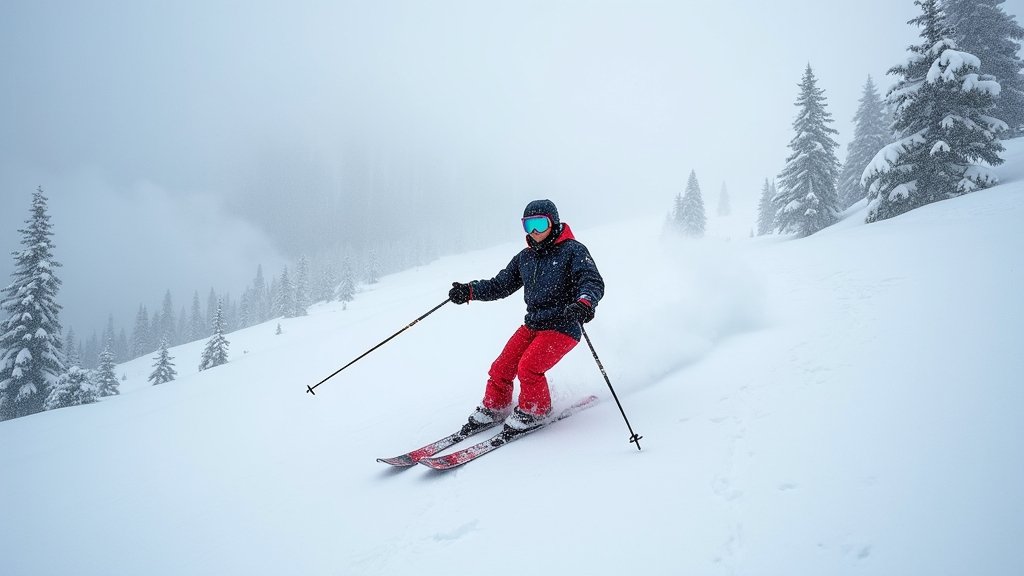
[[411, 324], [633, 436]]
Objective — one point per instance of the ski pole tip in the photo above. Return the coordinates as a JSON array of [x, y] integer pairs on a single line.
[[635, 439], [310, 390]]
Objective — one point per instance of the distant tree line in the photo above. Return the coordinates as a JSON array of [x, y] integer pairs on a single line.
[[43, 368], [287, 295]]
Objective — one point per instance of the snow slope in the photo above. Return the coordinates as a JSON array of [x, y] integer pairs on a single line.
[[848, 403]]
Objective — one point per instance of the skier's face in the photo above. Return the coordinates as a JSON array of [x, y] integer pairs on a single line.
[[540, 236]]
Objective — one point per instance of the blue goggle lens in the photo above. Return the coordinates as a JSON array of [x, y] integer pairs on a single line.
[[536, 224]]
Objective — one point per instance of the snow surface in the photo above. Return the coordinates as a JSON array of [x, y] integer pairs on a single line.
[[848, 403]]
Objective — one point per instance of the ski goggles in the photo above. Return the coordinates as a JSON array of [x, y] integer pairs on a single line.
[[536, 223]]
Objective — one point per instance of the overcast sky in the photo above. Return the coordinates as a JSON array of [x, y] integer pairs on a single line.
[[166, 133]]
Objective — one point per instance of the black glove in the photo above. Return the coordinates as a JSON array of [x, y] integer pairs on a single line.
[[579, 311], [459, 293]]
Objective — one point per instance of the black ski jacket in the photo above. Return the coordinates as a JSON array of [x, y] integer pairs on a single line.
[[554, 275]]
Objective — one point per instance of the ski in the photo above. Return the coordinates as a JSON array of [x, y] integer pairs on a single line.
[[449, 461], [411, 458]]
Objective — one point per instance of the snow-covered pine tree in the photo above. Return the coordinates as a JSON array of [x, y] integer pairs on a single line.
[[285, 304], [982, 28], [371, 266], [212, 303], [273, 293], [71, 349], [766, 210], [121, 346], [31, 344], [195, 320], [167, 324], [105, 379], [674, 217], [247, 314], [807, 200], [216, 351], [302, 287], [870, 134], [73, 388], [942, 106], [347, 287], [724, 206], [261, 297], [140, 336], [155, 329], [181, 334], [163, 370], [91, 352], [110, 336], [328, 281], [230, 314], [690, 217]]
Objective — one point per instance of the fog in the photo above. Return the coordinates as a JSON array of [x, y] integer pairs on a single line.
[[183, 143]]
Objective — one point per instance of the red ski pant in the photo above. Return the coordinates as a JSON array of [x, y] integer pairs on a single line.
[[528, 355]]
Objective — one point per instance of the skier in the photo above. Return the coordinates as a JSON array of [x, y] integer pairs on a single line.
[[562, 290]]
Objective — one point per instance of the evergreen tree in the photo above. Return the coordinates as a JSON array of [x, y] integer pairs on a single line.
[[110, 337], [168, 323], [870, 135], [91, 353], [73, 388], [71, 349], [246, 316], [212, 304], [31, 344], [328, 282], [724, 206], [121, 347], [690, 218], [285, 304], [274, 293], [261, 297], [302, 287], [105, 379], [371, 266], [139, 337], [982, 28], [766, 210], [155, 329], [181, 333], [942, 107], [672, 222], [807, 200], [196, 330], [163, 369], [230, 314], [216, 351], [347, 287]]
